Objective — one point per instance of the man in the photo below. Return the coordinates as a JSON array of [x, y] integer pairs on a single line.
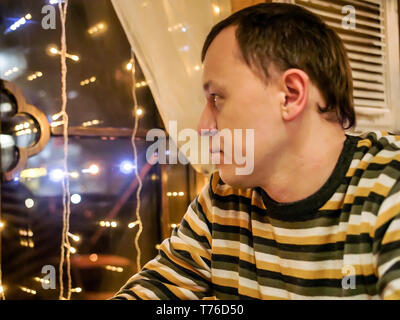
[[319, 216]]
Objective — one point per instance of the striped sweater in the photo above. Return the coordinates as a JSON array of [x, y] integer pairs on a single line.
[[343, 242]]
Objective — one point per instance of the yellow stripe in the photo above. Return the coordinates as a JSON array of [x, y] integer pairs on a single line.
[[387, 215], [393, 296], [356, 230], [180, 262], [364, 143], [310, 240], [192, 251], [391, 237], [142, 295], [205, 208], [197, 229]]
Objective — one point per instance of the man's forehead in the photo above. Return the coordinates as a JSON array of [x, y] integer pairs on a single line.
[[225, 45], [222, 56]]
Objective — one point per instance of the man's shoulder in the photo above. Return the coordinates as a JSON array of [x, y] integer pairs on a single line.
[[377, 161], [380, 142]]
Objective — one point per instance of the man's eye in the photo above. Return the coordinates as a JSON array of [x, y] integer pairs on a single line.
[[214, 99]]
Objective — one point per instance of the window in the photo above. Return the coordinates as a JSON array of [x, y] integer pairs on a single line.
[[373, 50]]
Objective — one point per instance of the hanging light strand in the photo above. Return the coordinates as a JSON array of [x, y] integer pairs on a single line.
[[65, 243], [139, 189], [2, 224]]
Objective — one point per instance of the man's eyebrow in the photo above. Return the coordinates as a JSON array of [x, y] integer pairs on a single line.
[[208, 84]]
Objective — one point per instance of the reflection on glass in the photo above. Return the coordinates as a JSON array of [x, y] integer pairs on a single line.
[[22, 129], [8, 106]]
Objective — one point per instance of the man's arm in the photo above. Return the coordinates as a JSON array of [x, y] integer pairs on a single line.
[[182, 269], [387, 246]]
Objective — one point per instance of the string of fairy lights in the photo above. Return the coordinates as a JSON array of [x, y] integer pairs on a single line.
[[94, 169]]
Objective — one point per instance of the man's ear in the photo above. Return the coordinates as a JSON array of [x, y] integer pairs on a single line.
[[295, 86]]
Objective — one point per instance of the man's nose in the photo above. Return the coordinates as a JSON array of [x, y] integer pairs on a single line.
[[207, 123]]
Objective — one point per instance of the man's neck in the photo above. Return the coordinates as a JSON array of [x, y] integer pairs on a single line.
[[306, 165]]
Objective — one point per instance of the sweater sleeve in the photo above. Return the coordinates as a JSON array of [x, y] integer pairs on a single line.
[[182, 269], [387, 247]]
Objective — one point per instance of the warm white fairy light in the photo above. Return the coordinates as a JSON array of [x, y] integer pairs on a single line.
[[129, 66], [74, 237], [25, 233], [34, 76], [37, 279], [216, 9], [27, 290], [175, 194], [2, 225], [54, 51], [108, 224], [91, 123], [74, 175], [72, 250], [88, 81], [133, 224], [77, 290], [11, 71], [98, 28], [114, 268], [141, 84], [27, 243], [139, 112], [55, 124], [93, 169]]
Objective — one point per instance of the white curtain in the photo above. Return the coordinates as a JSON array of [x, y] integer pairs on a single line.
[[167, 37]]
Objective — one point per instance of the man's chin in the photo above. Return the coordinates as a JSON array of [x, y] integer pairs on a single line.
[[229, 176]]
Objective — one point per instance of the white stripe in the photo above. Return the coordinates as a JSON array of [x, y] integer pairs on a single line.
[[358, 259], [150, 294], [365, 217], [183, 239], [231, 214], [224, 274], [204, 272], [387, 265], [286, 263], [280, 293], [300, 265], [337, 197], [199, 223], [186, 281], [309, 232], [354, 163], [390, 154], [389, 202], [394, 226], [242, 247]]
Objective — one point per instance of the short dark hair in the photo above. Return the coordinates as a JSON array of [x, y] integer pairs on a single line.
[[290, 36]]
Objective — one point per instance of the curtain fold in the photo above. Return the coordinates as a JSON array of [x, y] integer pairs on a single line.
[[167, 37]]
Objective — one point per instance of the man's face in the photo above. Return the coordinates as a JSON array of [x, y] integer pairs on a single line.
[[239, 99]]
